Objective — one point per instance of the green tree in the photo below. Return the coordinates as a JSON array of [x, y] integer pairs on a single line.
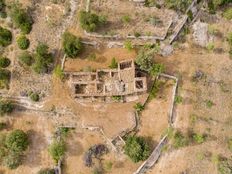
[[43, 59], [90, 21], [17, 141], [144, 59], [180, 5], [21, 18], [136, 148], [4, 62], [57, 150], [26, 58], [5, 37], [72, 45], [23, 42], [6, 107]]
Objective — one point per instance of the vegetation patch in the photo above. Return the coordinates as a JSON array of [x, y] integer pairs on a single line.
[[137, 148], [26, 58], [4, 62], [5, 37], [6, 107], [23, 42]]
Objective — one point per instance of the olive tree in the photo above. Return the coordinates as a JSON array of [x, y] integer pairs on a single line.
[[5, 37]]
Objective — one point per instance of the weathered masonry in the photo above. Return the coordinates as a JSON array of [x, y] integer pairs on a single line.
[[103, 84]]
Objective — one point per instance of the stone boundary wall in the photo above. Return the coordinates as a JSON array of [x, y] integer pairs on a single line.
[[153, 158]]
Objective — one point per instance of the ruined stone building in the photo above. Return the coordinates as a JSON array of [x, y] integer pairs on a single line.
[[104, 84]]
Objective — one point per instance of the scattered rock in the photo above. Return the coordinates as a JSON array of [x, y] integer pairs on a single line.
[[166, 50], [200, 33]]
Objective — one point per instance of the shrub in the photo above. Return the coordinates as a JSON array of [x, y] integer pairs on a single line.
[[137, 148], [225, 166], [229, 143], [128, 45], [17, 141], [46, 171], [113, 64], [139, 107], [179, 140], [25, 58], [43, 59], [72, 45], [126, 19], [13, 160], [2, 9], [5, 37], [156, 69], [21, 18], [229, 39], [178, 99], [4, 62], [34, 96], [210, 46], [4, 74], [3, 125], [155, 89], [116, 98], [58, 72], [228, 14], [145, 59], [90, 21], [23, 42], [6, 107], [198, 138], [57, 150], [209, 103]]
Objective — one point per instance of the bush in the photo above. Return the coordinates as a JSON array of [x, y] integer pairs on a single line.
[[23, 42], [13, 160], [34, 96], [126, 19], [58, 72], [72, 45], [25, 58], [137, 148], [225, 166], [139, 107], [113, 64], [178, 99], [17, 141], [6, 107], [145, 59], [128, 45], [5, 37], [179, 140], [90, 21], [229, 39], [57, 150], [46, 171], [198, 138], [4, 74], [228, 14], [2, 9], [21, 18], [4, 62], [43, 59], [156, 69]]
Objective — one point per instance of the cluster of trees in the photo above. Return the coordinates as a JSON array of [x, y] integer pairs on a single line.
[[137, 148], [21, 18], [90, 21], [12, 147], [5, 37]]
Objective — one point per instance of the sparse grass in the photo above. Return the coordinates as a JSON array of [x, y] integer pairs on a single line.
[[210, 46], [108, 166], [155, 89], [128, 45], [116, 98], [198, 138], [193, 119], [126, 19], [229, 144], [179, 140], [113, 64], [92, 57], [228, 13], [138, 107]]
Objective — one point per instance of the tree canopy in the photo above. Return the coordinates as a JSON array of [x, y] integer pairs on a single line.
[[5, 107], [4, 62], [17, 141], [72, 45], [5, 37], [137, 148]]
